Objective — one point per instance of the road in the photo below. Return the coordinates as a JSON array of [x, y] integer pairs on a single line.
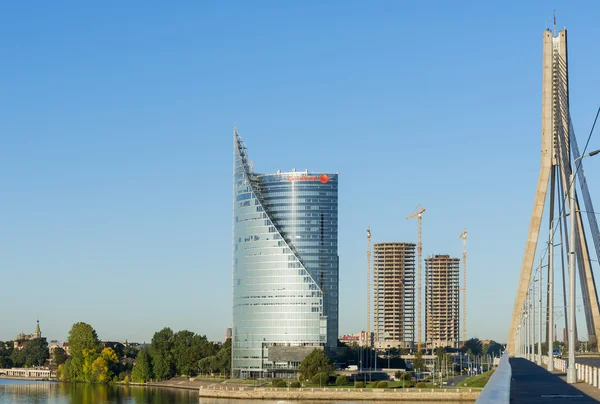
[[533, 384], [588, 361], [456, 381]]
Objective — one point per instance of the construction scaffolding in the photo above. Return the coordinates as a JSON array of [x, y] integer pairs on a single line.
[[442, 302], [394, 295]]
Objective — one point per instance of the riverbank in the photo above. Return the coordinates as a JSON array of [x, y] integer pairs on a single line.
[[261, 393], [187, 384], [34, 379]]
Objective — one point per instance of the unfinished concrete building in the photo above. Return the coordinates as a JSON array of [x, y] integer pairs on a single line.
[[394, 295], [442, 316]]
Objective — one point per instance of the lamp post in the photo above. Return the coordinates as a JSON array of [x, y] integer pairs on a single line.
[[550, 337], [571, 372], [527, 325], [539, 335], [518, 339]]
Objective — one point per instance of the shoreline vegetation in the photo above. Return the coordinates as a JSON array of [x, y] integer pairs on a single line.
[[169, 354], [184, 360]]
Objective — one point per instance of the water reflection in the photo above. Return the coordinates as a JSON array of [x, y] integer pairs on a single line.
[[79, 393], [25, 392]]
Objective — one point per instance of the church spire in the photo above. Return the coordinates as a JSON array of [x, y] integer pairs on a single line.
[[38, 332]]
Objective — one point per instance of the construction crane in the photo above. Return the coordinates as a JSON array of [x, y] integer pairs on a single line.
[[463, 235], [418, 214], [369, 286]]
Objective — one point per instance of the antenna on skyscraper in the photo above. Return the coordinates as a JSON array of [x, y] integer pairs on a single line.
[[554, 32]]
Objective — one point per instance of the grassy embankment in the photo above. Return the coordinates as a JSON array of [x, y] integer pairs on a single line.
[[477, 381]]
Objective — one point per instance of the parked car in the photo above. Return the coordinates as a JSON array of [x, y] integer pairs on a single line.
[[556, 353]]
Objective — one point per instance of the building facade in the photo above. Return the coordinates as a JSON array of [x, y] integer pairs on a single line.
[[394, 295], [22, 338], [285, 267], [360, 339], [442, 314]]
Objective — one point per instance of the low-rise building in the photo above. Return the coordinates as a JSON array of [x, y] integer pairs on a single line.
[[361, 339]]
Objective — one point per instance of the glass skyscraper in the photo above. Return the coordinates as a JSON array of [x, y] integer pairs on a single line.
[[285, 266]]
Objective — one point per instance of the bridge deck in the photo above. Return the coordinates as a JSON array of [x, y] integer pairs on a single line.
[[534, 384]]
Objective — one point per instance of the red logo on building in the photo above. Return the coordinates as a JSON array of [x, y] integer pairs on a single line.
[[324, 178]]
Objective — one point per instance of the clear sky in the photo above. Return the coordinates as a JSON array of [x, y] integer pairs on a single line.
[[116, 145]]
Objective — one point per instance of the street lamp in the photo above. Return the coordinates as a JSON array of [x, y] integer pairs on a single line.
[[571, 372], [550, 337], [539, 335]]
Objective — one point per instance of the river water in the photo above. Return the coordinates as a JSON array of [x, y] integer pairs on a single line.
[[30, 392]]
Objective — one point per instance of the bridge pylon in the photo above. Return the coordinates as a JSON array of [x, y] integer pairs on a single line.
[[559, 147]]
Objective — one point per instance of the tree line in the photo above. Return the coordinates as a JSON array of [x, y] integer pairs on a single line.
[[89, 361], [181, 353], [169, 354], [35, 353]]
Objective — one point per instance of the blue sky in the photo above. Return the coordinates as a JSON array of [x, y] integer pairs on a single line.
[[116, 145]]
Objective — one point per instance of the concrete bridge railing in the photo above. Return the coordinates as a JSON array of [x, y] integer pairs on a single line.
[[497, 389], [585, 373]]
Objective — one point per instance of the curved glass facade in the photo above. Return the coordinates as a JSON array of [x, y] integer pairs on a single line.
[[285, 266]]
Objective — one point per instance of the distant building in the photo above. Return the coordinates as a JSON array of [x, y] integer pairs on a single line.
[[52, 345], [22, 338], [115, 345], [442, 302], [360, 339], [394, 295], [228, 333]]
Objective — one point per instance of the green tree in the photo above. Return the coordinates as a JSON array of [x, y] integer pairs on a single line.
[[316, 362], [100, 372], [341, 380], [419, 362], [130, 352], [188, 349], [208, 364], [112, 361], [63, 371], [36, 352], [59, 356], [6, 348], [17, 357], [474, 344], [119, 349], [224, 358], [493, 348], [161, 353], [85, 348], [320, 378], [5, 362], [89, 356], [142, 371]]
